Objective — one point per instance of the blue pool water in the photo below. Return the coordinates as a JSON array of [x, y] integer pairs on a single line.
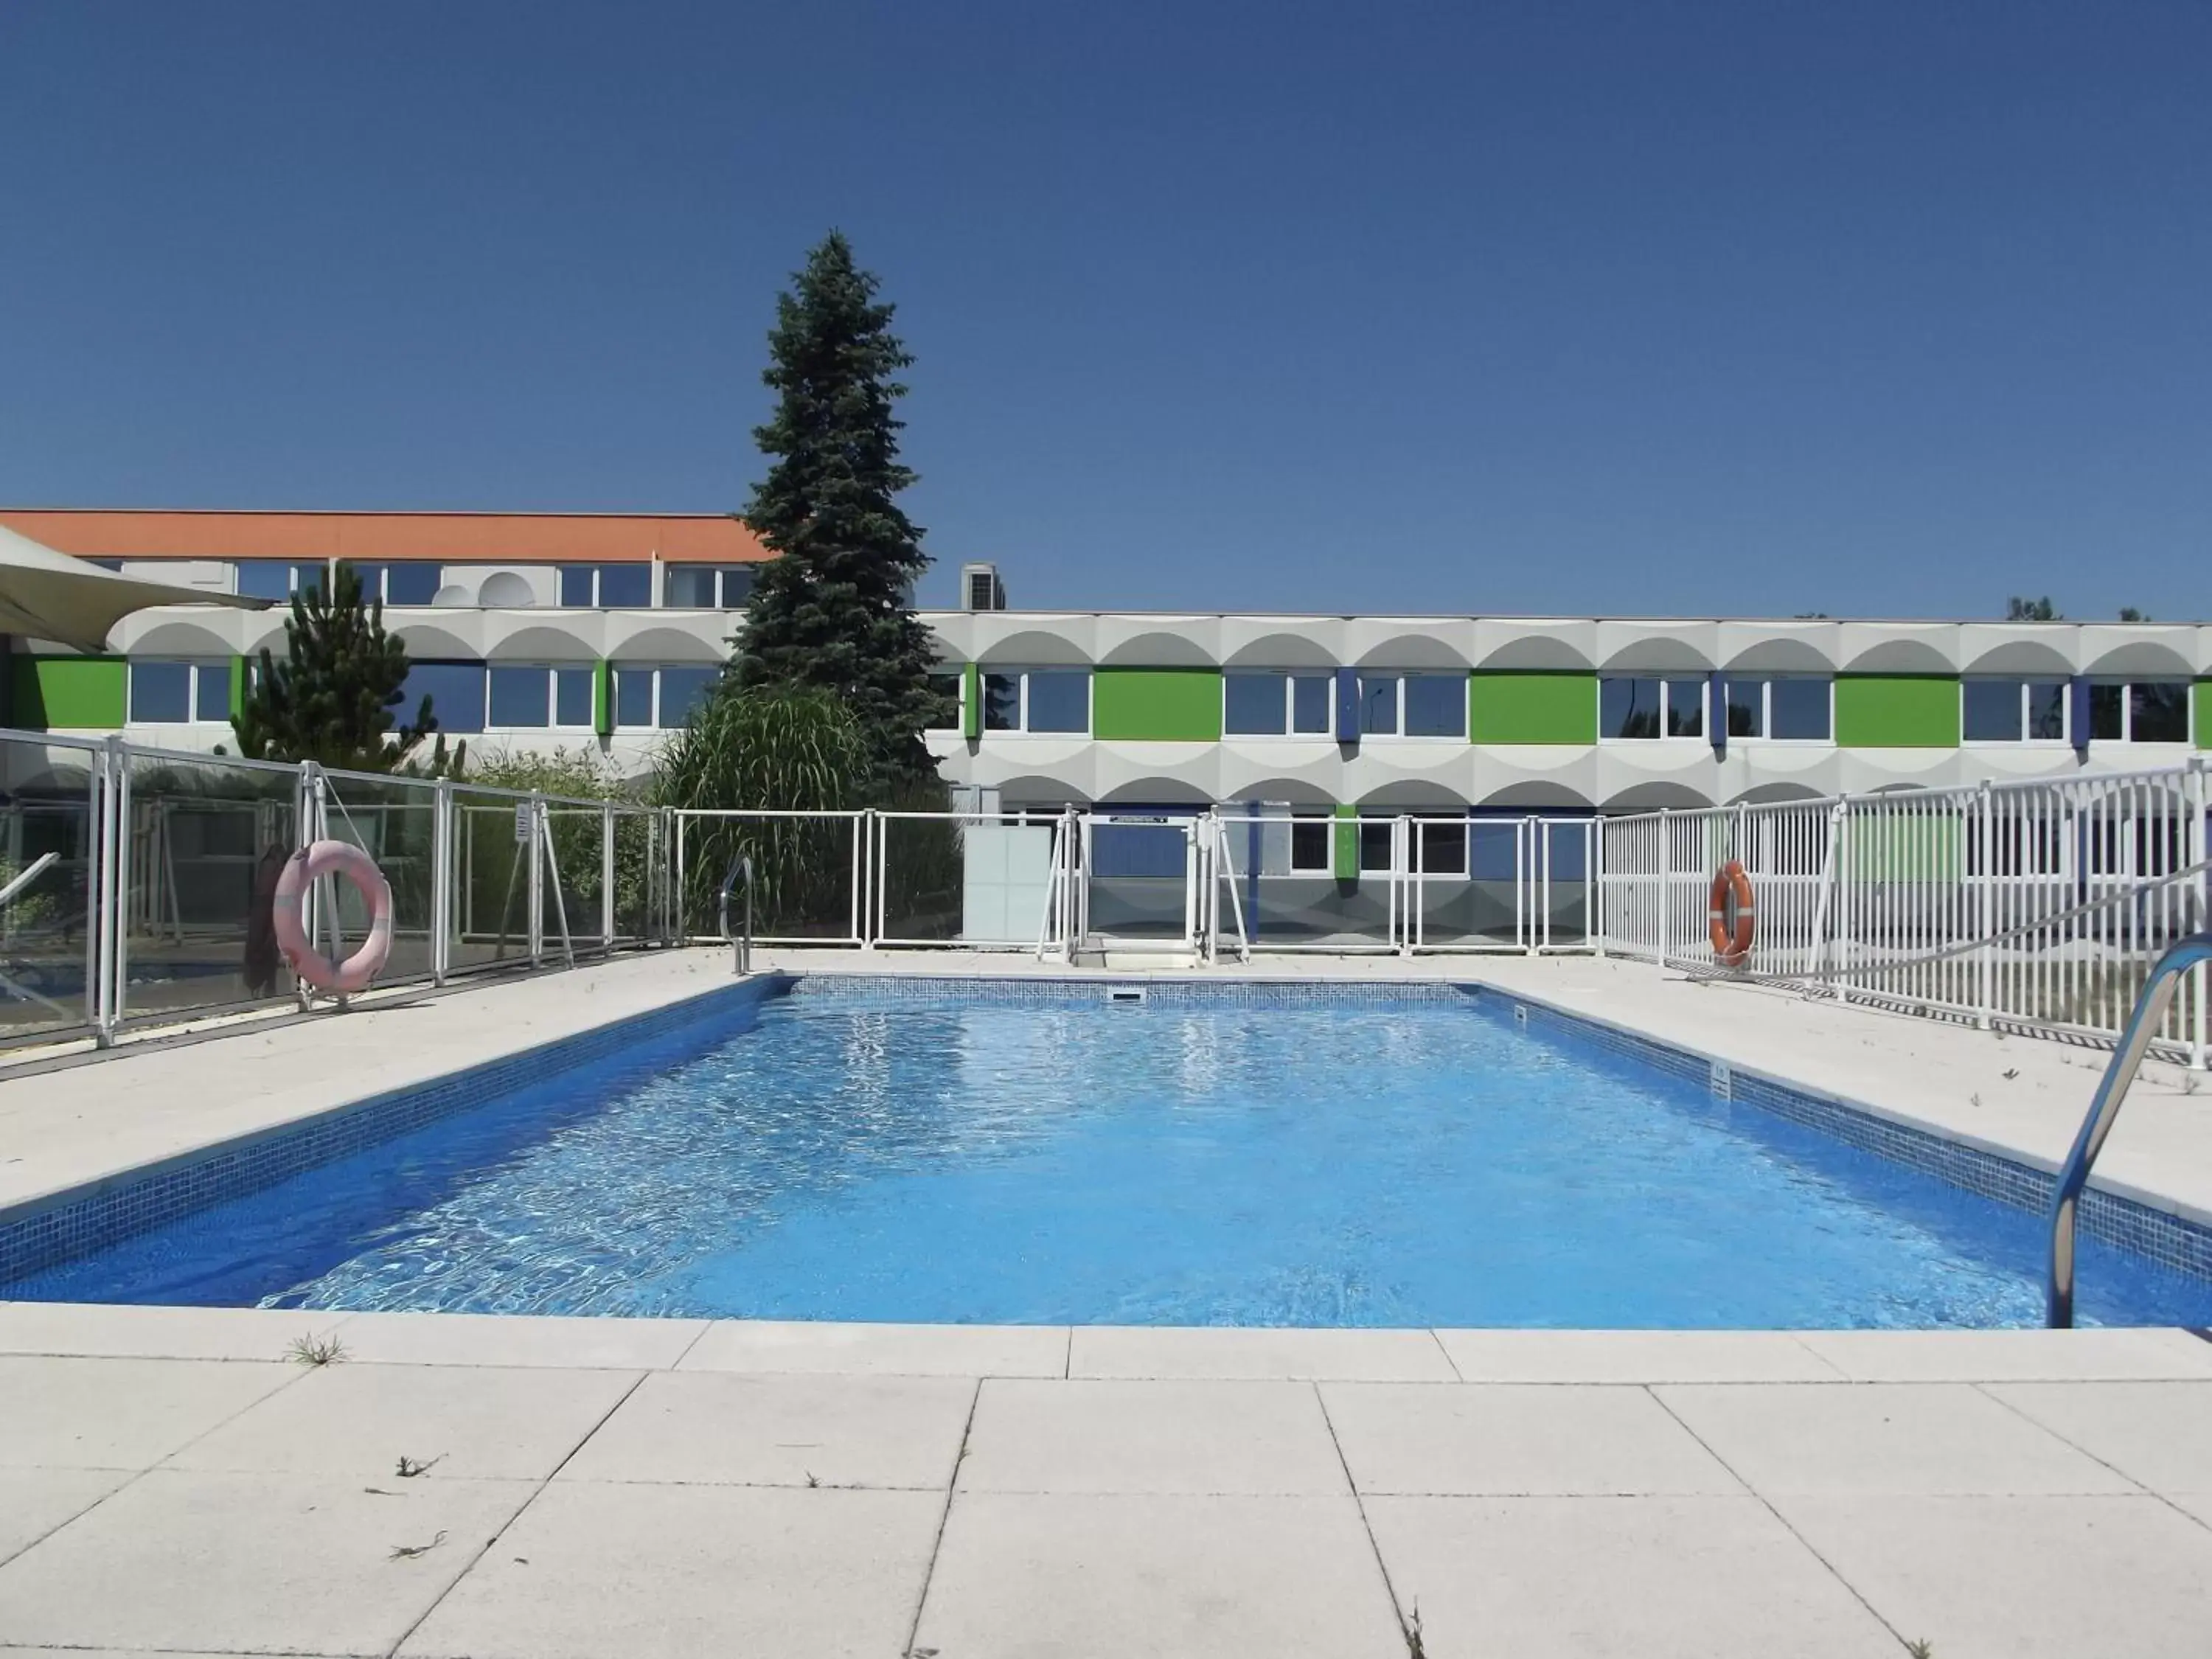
[[1401, 1163]]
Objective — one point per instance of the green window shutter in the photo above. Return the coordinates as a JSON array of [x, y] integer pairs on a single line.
[[602, 698], [1156, 705], [83, 693], [1530, 707], [1897, 711], [1345, 862], [2204, 714], [971, 700], [237, 687]]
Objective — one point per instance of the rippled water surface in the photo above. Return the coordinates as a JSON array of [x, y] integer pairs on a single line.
[[1420, 1164]]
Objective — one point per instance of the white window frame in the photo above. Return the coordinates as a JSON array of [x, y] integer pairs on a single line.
[[552, 695], [2128, 712], [1022, 702], [1328, 821], [958, 672], [1666, 682], [194, 714], [1398, 733], [292, 568], [2020, 739], [1288, 677], [1766, 711]]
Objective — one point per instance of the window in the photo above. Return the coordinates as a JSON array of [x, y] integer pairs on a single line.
[[1640, 708], [179, 693], [2147, 711], [1037, 700], [1310, 846], [1435, 705], [681, 690], [950, 687], [1785, 710], [633, 697], [456, 691], [607, 586], [1379, 705], [277, 578], [664, 698], [2013, 711], [405, 582], [707, 587], [1439, 847], [1274, 705], [1375, 839], [535, 696]]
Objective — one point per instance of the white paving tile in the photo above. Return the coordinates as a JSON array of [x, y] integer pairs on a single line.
[[762, 1344], [1177, 1437], [2022, 1577], [732, 1428], [33, 1502], [1485, 1439], [1658, 1577], [2008, 1356], [1874, 1437], [250, 1562], [120, 1413], [1143, 1351], [453, 1338], [1021, 1576], [466, 1422], [594, 1571], [101, 1330], [1501, 1356], [2157, 1433]]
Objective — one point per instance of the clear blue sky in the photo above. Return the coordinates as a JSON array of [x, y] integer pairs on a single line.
[[1866, 308]]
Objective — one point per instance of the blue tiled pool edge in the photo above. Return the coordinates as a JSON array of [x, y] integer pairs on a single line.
[[44, 1232], [59, 1227]]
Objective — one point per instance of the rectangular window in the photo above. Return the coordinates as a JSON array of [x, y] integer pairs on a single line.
[[737, 585], [160, 693], [633, 698], [407, 582], [950, 689], [1747, 708], [456, 690], [1686, 707], [2158, 711], [2013, 711], [1375, 835], [682, 690], [1629, 708], [1801, 710], [1310, 846], [1309, 704], [520, 696], [1058, 700], [690, 587], [1436, 705], [211, 691], [265, 578], [572, 697], [2108, 713], [1253, 705], [2046, 711], [625, 587], [1440, 847], [578, 586], [1002, 702], [1379, 705]]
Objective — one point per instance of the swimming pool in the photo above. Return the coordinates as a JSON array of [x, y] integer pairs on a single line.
[[866, 1152]]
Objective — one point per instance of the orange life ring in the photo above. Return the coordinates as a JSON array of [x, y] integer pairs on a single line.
[[1730, 884]]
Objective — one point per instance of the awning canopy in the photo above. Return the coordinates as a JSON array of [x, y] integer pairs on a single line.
[[46, 595]]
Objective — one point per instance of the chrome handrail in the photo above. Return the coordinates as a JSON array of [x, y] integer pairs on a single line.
[[740, 867], [2151, 1003]]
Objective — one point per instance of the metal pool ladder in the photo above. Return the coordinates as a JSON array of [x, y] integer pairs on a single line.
[[2151, 1003], [741, 869]]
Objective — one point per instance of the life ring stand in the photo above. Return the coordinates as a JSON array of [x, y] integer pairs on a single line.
[[311, 864], [1731, 934]]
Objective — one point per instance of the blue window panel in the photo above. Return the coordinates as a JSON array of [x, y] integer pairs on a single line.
[[1002, 702], [1744, 707], [309, 577], [737, 585], [412, 583], [1991, 712], [2158, 711], [633, 698], [211, 691], [1436, 705], [1686, 708], [1309, 704], [2047, 710], [456, 690], [1437, 848], [1252, 705], [1379, 705], [625, 587], [1059, 700], [681, 691], [265, 578], [1628, 708], [571, 696], [519, 696], [691, 586], [576, 584], [1138, 850], [160, 693], [1803, 710]]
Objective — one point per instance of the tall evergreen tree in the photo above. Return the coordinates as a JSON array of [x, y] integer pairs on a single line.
[[833, 611], [330, 699]]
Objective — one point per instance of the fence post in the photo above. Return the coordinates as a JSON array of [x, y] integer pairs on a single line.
[[529, 848], [1666, 930], [1843, 907], [2200, 799], [1985, 959], [113, 891], [1596, 917], [441, 880], [607, 881]]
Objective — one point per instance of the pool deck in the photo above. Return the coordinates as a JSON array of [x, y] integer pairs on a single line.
[[170, 1481]]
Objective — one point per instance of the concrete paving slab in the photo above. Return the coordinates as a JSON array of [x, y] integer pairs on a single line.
[[1136, 1351], [732, 1428], [1497, 1438], [466, 1422], [1129, 1437], [455, 1339], [1657, 1578], [762, 1344], [225, 1563], [121, 1413], [1020, 1576], [1634, 1356], [33, 1502], [591, 1570], [103, 1329], [1855, 1438], [2021, 1577], [2006, 1355], [2157, 1433]]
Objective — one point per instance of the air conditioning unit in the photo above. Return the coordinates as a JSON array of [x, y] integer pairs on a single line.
[[980, 588]]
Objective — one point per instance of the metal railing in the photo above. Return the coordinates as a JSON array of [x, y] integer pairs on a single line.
[[2150, 1006], [741, 869]]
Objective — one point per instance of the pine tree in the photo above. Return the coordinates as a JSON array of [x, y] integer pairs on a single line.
[[329, 700], [833, 610]]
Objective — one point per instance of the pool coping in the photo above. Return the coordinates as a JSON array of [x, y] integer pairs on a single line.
[[47, 1228]]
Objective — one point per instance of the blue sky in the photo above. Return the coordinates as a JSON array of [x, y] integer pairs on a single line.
[[1872, 309]]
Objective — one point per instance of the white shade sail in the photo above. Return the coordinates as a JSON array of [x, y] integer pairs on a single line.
[[46, 595]]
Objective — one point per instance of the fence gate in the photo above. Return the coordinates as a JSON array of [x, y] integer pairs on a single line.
[[1140, 880]]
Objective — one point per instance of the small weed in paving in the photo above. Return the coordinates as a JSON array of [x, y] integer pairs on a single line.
[[1922, 1648], [315, 1350], [1415, 1649], [409, 1552], [408, 1469]]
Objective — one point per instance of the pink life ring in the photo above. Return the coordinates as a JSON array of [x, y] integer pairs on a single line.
[[312, 863]]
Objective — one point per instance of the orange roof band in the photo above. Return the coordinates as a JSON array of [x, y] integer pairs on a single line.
[[448, 538]]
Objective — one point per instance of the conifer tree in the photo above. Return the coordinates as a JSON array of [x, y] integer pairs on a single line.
[[833, 610]]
